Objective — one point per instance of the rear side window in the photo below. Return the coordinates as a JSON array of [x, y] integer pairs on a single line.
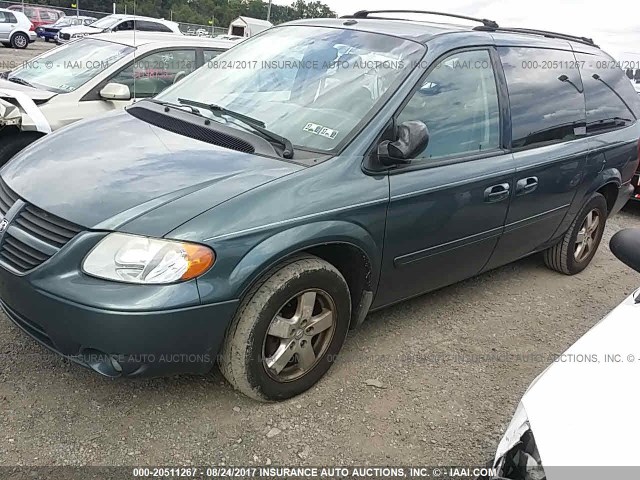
[[545, 94], [145, 26], [610, 98], [6, 17]]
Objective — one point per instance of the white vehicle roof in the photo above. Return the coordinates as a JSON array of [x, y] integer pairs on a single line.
[[137, 39]]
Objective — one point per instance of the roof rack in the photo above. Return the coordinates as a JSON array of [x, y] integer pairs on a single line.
[[544, 33], [366, 13]]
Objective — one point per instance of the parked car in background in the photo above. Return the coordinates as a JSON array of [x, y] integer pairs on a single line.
[[253, 215], [39, 15], [16, 30], [92, 76], [118, 23], [582, 410], [49, 32]]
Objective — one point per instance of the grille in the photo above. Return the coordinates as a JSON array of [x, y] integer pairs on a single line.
[[33, 236], [191, 130], [7, 197]]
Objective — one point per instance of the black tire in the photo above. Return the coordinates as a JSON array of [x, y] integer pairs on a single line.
[[561, 257], [19, 40], [5, 44], [46, 39], [242, 360], [12, 144]]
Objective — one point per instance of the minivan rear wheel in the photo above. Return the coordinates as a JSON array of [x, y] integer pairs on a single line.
[[578, 246], [19, 40], [288, 330]]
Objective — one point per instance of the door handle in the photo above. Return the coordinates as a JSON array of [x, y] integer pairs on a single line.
[[497, 193], [526, 185]]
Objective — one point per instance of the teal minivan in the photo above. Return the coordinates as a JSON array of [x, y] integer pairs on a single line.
[[253, 213]]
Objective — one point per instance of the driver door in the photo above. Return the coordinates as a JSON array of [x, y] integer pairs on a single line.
[[448, 206]]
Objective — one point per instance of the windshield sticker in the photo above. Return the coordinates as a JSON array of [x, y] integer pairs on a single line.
[[321, 130]]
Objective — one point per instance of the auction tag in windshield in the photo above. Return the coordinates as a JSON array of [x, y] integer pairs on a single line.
[[320, 130]]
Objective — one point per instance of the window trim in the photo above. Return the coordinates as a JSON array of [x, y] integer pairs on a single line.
[[371, 164]]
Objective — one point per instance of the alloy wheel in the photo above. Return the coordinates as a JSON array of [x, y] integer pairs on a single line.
[[587, 236], [20, 41], [299, 335]]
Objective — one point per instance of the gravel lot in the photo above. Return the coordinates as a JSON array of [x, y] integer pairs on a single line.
[[10, 57], [424, 410]]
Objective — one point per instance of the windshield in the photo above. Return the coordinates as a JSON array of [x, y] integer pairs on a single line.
[[66, 68], [312, 85], [62, 22], [106, 22]]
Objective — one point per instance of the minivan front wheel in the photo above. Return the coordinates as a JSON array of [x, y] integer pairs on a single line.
[[578, 246], [19, 40], [288, 330]]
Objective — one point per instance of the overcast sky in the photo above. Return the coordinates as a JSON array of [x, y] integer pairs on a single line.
[[613, 24]]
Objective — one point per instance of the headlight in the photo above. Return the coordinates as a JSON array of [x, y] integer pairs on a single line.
[[135, 259], [517, 457], [78, 35]]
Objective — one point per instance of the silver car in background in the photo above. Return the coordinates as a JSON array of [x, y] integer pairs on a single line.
[[93, 76], [16, 30]]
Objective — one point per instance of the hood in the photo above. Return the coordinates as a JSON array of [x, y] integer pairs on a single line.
[[9, 89], [88, 29], [584, 409], [103, 173]]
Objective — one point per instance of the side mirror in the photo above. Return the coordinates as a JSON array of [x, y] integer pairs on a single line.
[[413, 137], [115, 91]]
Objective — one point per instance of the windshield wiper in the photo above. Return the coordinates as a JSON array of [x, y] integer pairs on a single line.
[[254, 123], [174, 105], [20, 81]]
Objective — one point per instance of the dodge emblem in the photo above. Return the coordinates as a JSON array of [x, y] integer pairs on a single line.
[[4, 223]]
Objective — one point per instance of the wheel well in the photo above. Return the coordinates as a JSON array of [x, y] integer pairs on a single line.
[[352, 263], [610, 193]]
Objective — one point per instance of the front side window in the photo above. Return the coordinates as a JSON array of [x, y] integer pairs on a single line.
[[610, 100], [66, 68], [124, 26], [458, 101], [312, 85], [211, 54], [545, 94], [150, 75]]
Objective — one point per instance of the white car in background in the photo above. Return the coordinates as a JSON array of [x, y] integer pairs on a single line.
[[582, 411], [118, 23], [16, 30], [92, 76]]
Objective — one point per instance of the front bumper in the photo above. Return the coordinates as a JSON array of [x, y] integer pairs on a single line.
[[114, 328]]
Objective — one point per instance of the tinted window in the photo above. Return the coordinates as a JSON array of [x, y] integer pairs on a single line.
[[211, 54], [609, 95], [152, 74], [145, 26], [126, 25], [545, 93], [458, 101]]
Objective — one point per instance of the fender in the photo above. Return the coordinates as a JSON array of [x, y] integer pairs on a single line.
[[33, 118], [606, 176], [273, 249]]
